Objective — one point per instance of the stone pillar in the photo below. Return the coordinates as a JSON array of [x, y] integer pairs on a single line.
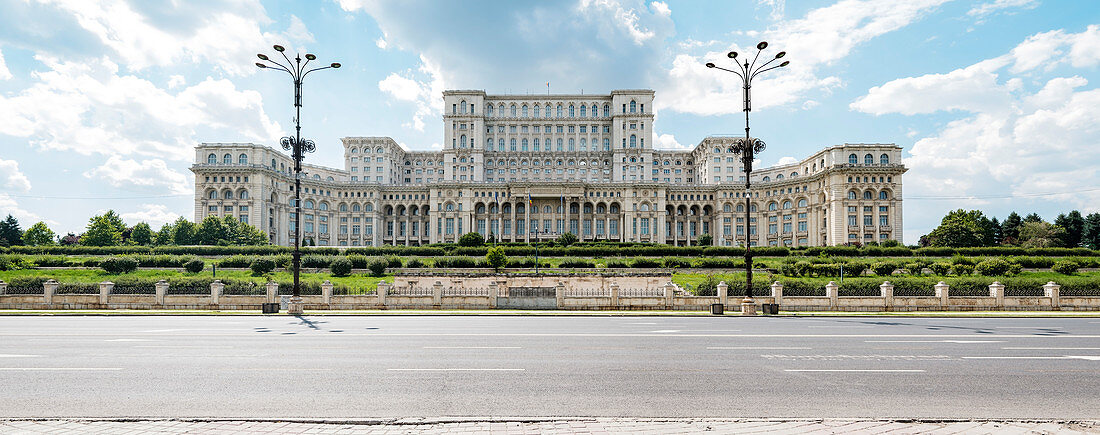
[[997, 290], [777, 293], [105, 289], [382, 291], [1051, 290], [942, 292], [326, 292], [670, 294], [162, 289], [494, 291], [723, 290], [559, 292], [832, 291], [3, 287], [216, 289], [272, 291], [437, 294], [614, 295], [887, 292], [49, 288]]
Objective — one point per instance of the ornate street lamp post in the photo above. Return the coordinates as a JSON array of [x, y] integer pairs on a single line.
[[748, 147], [298, 147]]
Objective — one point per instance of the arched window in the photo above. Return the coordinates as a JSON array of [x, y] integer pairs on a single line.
[[273, 164], [212, 159], [524, 109], [227, 195], [868, 159], [633, 141], [802, 202], [883, 195], [868, 195], [584, 111], [500, 145], [449, 206], [884, 159], [489, 144], [852, 195], [523, 145], [853, 159], [308, 204], [462, 141], [794, 174], [324, 206], [767, 179], [740, 208], [607, 144], [558, 111], [356, 208], [786, 205], [212, 195], [571, 145], [633, 106], [536, 114], [242, 159], [462, 106], [513, 110], [244, 195], [489, 109], [343, 207], [606, 111], [772, 206], [369, 207], [559, 145], [584, 144], [726, 208], [228, 159], [779, 177], [595, 110], [379, 150], [512, 144], [354, 150]]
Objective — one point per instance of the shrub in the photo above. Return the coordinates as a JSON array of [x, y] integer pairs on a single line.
[[119, 265], [236, 261], [378, 266], [567, 239], [576, 263], [883, 268], [707, 287], [496, 258], [317, 261], [262, 266], [675, 263], [455, 262], [993, 267], [962, 269], [194, 266], [940, 268], [414, 263], [617, 264], [718, 263], [644, 263], [1065, 267], [471, 239], [393, 262], [915, 269], [341, 267]]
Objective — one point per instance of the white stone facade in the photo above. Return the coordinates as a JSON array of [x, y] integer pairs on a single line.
[[530, 167]]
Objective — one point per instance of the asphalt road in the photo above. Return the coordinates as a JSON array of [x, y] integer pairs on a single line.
[[512, 366]]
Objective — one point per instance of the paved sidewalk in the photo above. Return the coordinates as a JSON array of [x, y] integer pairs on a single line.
[[559, 426]]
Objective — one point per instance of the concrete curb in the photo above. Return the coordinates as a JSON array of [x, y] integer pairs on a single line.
[[784, 314]]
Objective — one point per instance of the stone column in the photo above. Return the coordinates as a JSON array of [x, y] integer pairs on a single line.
[[559, 292], [832, 291], [887, 292], [997, 290], [614, 295], [494, 290], [1051, 290], [437, 294], [49, 288], [723, 290], [942, 292], [272, 291], [216, 289], [105, 289], [382, 291], [777, 292], [3, 287], [162, 289], [670, 293], [326, 292]]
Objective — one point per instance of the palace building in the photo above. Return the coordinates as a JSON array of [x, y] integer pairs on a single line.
[[531, 167]]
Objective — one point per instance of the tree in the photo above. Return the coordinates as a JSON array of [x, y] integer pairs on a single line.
[[183, 232], [704, 240], [1074, 226], [998, 232], [39, 235], [102, 231], [141, 234], [961, 228], [210, 231], [1010, 229], [246, 234], [491, 238], [471, 239], [1033, 218], [496, 257], [10, 233], [164, 236], [70, 240], [1040, 234], [1091, 235], [567, 239]]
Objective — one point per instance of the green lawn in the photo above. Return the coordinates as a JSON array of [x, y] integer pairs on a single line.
[[98, 275]]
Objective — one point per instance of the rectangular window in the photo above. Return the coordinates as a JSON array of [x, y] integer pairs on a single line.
[[868, 221], [884, 221], [588, 227], [507, 227], [786, 227], [802, 227], [614, 228], [450, 226], [772, 229], [852, 221]]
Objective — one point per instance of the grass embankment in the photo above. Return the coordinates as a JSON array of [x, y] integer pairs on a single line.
[[355, 281]]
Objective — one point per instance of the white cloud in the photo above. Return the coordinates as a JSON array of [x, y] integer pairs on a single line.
[[297, 31], [401, 88], [148, 175], [786, 160], [156, 215], [424, 93], [661, 8], [176, 81], [623, 17], [973, 89], [11, 178], [988, 8], [820, 38], [87, 108], [668, 142], [8, 205], [5, 74], [381, 42], [1056, 47], [777, 8]]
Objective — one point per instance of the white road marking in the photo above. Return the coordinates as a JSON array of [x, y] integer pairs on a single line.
[[12, 355], [456, 370], [1015, 357], [665, 331], [58, 369], [934, 341], [472, 347], [756, 348], [642, 323], [252, 369], [857, 370], [1030, 327], [183, 347], [1051, 348], [1085, 357], [129, 339], [840, 326]]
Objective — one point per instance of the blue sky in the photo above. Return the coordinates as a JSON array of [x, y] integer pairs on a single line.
[[994, 101]]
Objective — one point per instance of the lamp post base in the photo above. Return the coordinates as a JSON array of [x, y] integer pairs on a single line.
[[748, 307], [295, 307]]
